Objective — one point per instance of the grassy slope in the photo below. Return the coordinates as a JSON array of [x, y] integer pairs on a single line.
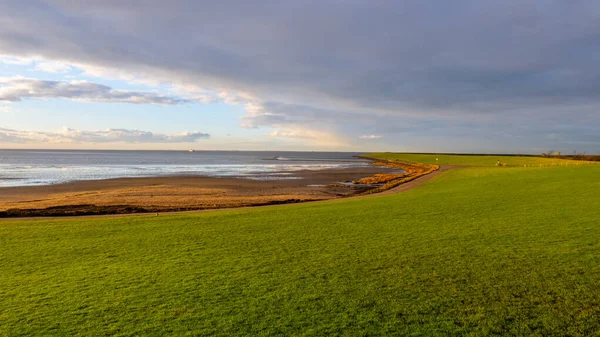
[[475, 160], [480, 251]]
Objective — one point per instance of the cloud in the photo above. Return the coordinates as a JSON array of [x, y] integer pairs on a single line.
[[68, 135], [248, 126], [371, 137], [185, 137], [15, 89], [39, 64], [53, 67], [19, 61], [293, 134], [342, 67], [319, 137]]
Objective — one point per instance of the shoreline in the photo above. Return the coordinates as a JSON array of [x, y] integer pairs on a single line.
[[398, 189], [183, 193], [176, 193]]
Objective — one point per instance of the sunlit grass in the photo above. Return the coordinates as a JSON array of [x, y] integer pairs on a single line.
[[478, 160], [474, 251]]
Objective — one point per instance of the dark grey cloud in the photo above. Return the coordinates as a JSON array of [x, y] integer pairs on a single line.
[[68, 135], [350, 67], [14, 89]]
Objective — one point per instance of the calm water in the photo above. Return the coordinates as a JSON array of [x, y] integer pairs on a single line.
[[45, 167]]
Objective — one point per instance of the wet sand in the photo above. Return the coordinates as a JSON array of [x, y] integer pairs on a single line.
[[177, 193]]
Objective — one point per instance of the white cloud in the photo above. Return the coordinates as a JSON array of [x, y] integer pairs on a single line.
[[293, 134], [53, 67], [5, 108], [18, 61], [316, 136], [68, 135], [181, 85], [371, 137], [39, 63], [248, 126], [15, 89], [186, 137], [194, 93]]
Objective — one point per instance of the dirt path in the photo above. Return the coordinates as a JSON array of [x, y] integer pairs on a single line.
[[398, 189]]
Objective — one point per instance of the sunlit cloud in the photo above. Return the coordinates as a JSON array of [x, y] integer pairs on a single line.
[[53, 67], [248, 126], [68, 135], [15, 89], [371, 137], [315, 136], [18, 61]]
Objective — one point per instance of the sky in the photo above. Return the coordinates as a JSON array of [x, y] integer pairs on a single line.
[[511, 76]]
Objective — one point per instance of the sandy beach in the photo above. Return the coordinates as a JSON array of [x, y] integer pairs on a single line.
[[177, 193]]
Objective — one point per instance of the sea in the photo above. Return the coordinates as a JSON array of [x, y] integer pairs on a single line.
[[47, 167]]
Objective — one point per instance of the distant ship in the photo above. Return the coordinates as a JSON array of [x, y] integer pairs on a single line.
[[191, 150]]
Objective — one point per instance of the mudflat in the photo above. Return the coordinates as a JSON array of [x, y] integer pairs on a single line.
[[177, 193]]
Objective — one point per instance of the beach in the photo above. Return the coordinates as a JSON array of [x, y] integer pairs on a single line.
[[179, 193]]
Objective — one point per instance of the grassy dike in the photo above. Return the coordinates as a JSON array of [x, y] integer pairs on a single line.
[[479, 160], [474, 251]]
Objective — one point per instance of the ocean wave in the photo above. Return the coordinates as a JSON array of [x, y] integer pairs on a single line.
[[30, 175]]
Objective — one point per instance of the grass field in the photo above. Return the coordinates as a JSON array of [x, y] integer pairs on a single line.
[[474, 160], [475, 251]]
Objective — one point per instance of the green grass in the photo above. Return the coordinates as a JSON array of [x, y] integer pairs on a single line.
[[475, 160], [475, 251]]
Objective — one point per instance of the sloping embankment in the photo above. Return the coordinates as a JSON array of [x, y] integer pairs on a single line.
[[412, 171]]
